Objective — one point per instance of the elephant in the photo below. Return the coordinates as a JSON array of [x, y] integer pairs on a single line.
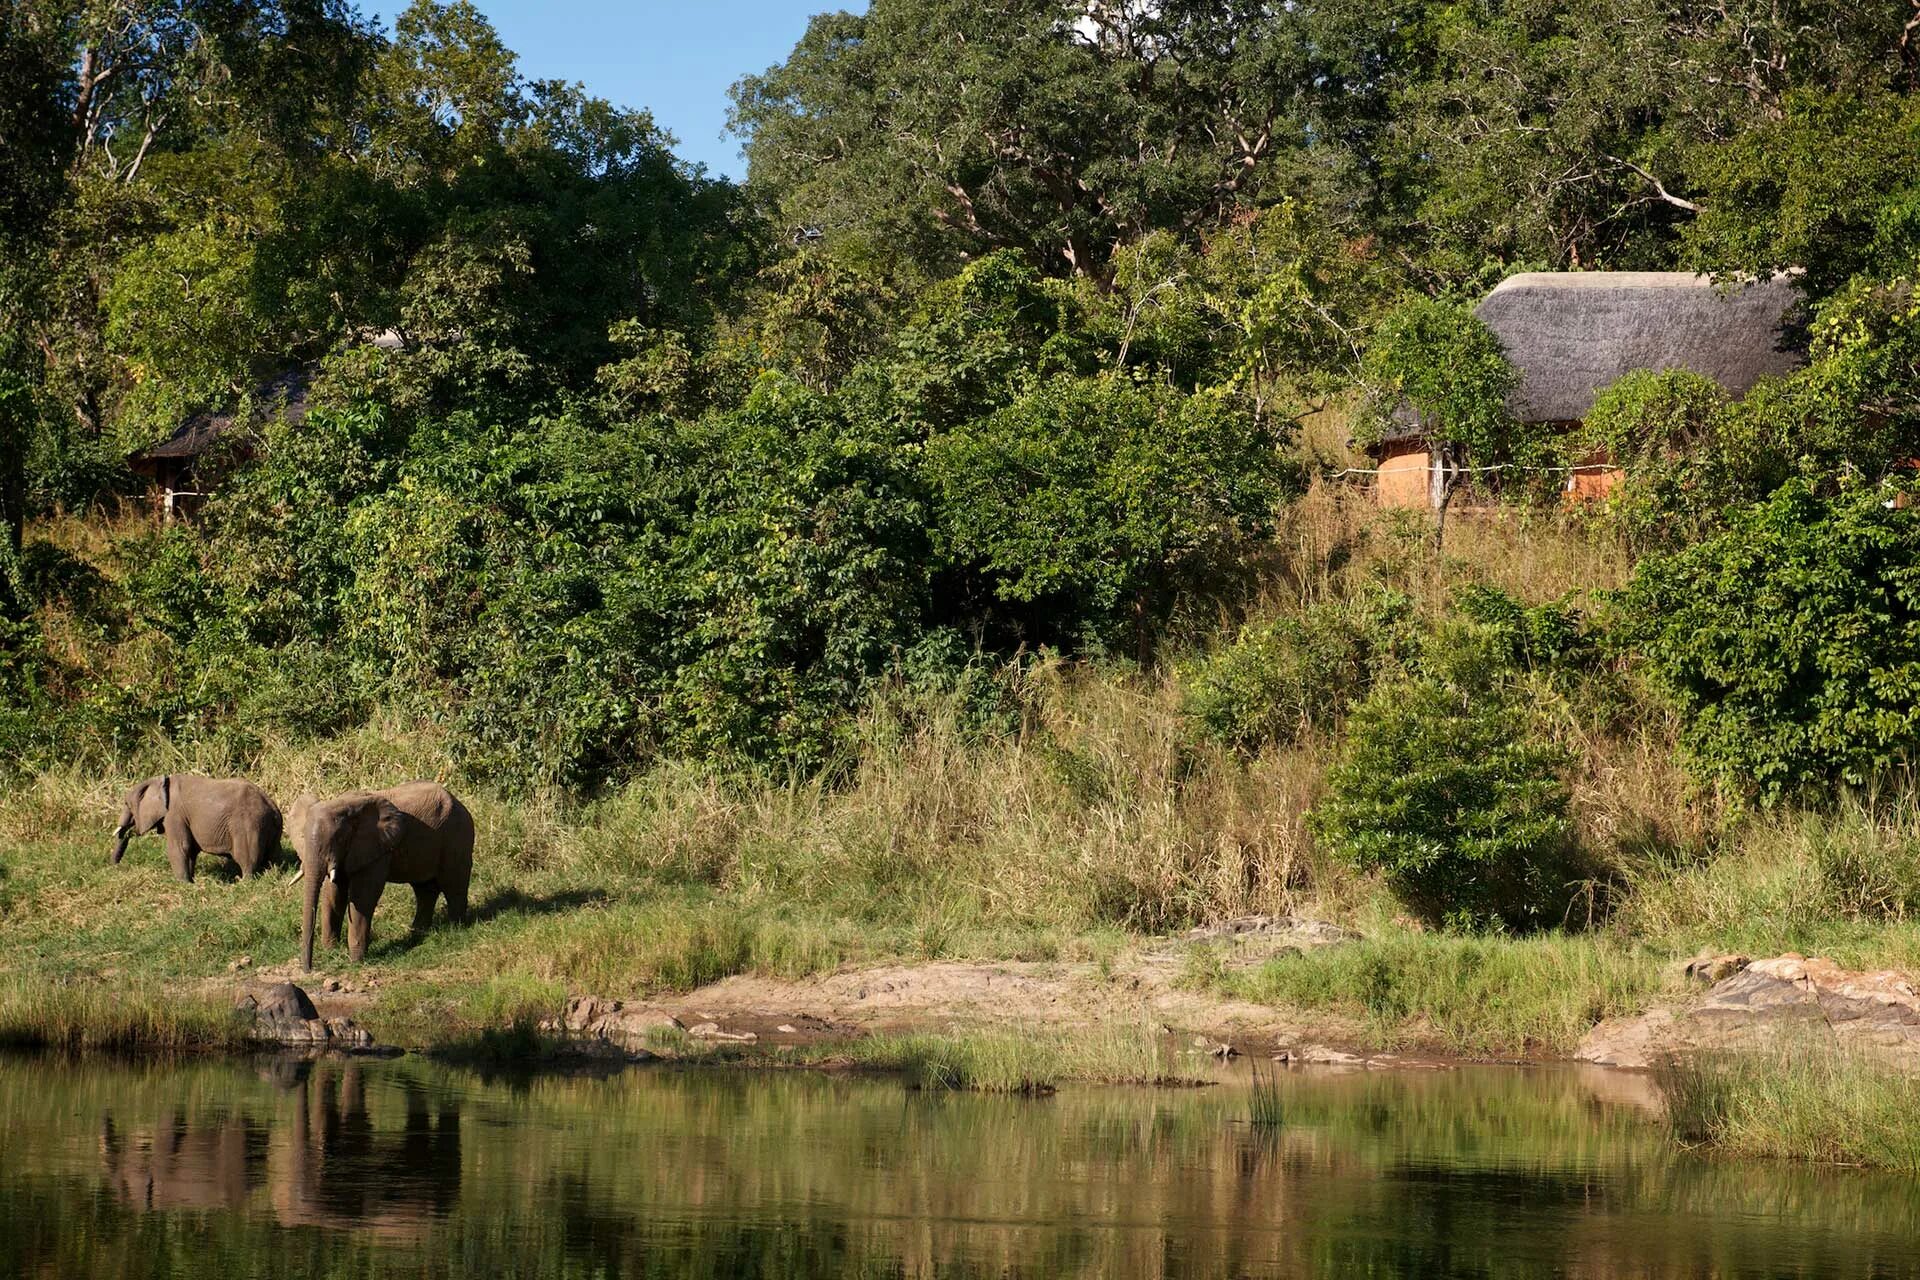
[[351, 845], [201, 815]]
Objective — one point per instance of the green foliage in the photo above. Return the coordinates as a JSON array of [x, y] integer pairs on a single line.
[[1434, 360], [1646, 416], [924, 132], [1540, 638], [1788, 642], [1089, 505], [1278, 680], [1455, 796]]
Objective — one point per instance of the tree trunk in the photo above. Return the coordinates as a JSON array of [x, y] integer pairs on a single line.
[[1443, 478]]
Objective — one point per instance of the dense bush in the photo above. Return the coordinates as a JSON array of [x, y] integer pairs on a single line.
[[1790, 644], [1454, 795], [1280, 678], [1088, 506]]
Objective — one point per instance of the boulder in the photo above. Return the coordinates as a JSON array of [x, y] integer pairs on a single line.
[[1755, 1004], [280, 1013]]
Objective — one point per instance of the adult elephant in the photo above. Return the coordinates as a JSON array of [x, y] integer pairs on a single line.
[[352, 845], [201, 815]]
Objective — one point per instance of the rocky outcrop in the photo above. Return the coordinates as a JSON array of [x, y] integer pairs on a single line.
[[280, 1013], [1301, 931], [1756, 1004], [614, 1023]]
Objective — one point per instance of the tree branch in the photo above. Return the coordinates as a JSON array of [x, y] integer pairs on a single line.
[[1659, 189]]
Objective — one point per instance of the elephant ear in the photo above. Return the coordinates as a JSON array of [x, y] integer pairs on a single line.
[[377, 829], [297, 818], [150, 801]]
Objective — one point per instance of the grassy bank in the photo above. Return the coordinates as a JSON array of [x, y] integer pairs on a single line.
[[88, 1017], [1809, 1102], [1482, 997], [1101, 820]]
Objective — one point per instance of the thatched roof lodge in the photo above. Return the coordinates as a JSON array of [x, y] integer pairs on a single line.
[[1571, 334], [183, 466]]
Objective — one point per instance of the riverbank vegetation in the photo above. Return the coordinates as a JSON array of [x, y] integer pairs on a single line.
[[1808, 1101], [943, 542]]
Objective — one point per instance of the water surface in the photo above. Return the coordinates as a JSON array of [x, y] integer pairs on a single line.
[[372, 1169]]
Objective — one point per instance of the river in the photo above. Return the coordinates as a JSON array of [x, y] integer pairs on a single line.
[[408, 1167]]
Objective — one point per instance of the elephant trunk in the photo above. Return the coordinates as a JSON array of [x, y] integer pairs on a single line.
[[312, 900], [121, 834]]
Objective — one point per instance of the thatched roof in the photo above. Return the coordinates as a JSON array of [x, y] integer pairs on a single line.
[[287, 393], [1573, 333]]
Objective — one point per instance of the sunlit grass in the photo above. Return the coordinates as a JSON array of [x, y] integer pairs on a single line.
[[1809, 1101], [87, 1016]]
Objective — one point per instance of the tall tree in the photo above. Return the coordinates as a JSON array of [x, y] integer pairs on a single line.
[[928, 132], [34, 144]]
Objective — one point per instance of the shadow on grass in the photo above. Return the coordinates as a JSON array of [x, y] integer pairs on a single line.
[[512, 902]]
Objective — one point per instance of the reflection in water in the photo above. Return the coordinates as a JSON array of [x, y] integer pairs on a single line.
[[335, 1167], [173, 1165], [410, 1168]]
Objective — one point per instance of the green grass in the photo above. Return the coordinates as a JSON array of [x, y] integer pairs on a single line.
[[1812, 1101], [1507, 997], [88, 1017], [1011, 1061]]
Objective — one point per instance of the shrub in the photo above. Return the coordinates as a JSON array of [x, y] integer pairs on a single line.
[[1435, 359], [1279, 679], [1790, 644], [1091, 504], [1647, 415], [1452, 794]]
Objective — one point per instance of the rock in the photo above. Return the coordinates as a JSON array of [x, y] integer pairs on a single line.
[[331, 984], [1319, 1055], [281, 1013], [1218, 1048], [1709, 968], [1303, 928], [241, 963], [619, 1024], [1756, 1004], [786, 1029]]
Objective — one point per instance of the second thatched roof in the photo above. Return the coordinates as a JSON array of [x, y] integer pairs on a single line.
[[1573, 333]]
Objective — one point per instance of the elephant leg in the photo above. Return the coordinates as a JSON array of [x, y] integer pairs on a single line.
[[423, 898], [333, 911], [181, 855], [454, 882], [363, 895]]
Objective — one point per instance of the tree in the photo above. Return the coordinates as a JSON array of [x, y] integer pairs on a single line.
[[1089, 505], [1433, 360], [928, 132], [1453, 794], [33, 156]]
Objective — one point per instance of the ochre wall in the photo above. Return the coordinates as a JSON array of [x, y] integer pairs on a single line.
[[1404, 472]]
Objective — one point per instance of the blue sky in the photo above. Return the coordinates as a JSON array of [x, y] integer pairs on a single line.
[[676, 60]]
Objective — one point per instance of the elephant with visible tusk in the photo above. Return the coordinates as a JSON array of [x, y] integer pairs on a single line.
[[352, 845], [201, 815]]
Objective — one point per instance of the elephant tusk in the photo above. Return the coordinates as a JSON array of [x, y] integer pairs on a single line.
[[294, 879]]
